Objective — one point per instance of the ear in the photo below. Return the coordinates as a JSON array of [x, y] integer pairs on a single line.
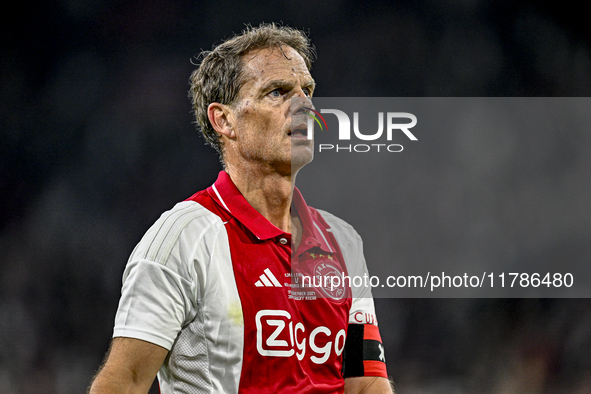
[[220, 118]]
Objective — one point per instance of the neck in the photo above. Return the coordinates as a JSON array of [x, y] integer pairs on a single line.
[[267, 191]]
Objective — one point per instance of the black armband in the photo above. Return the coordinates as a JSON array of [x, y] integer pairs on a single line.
[[364, 352]]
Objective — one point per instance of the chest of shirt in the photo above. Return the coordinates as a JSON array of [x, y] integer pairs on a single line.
[[283, 317]]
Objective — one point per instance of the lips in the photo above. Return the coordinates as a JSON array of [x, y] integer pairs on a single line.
[[299, 126], [298, 132]]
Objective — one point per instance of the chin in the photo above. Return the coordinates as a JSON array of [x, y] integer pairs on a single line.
[[300, 159]]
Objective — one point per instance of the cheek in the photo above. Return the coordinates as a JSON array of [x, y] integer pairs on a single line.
[[256, 122], [252, 125]]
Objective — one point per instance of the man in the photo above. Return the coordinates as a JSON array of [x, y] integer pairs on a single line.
[[209, 299]]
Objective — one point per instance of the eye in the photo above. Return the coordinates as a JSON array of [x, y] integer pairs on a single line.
[[307, 92], [275, 93]]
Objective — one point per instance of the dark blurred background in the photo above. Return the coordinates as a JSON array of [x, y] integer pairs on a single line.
[[98, 140]]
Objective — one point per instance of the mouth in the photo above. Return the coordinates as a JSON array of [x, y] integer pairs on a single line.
[[298, 133], [299, 127]]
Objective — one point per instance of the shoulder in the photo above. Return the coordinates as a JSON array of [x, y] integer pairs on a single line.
[[340, 228], [351, 247], [187, 222]]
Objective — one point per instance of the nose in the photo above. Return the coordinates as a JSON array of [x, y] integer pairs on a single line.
[[299, 110], [300, 103]]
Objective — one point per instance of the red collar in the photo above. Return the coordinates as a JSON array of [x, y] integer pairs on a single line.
[[227, 195]]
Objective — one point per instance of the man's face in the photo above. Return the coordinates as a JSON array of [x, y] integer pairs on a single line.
[[263, 113]]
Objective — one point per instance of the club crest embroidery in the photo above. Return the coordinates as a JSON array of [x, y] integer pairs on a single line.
[[319, 275]]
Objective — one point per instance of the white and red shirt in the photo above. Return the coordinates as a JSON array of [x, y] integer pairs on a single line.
[[216, 284]]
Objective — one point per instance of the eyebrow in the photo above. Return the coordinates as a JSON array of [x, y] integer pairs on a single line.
[[310, 84], [280, 83]]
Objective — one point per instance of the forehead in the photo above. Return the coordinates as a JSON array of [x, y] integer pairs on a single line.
[[265, 64]]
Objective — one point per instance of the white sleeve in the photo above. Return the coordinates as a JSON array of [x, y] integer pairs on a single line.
[[362, 308], [154, 303], [160, 292]]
